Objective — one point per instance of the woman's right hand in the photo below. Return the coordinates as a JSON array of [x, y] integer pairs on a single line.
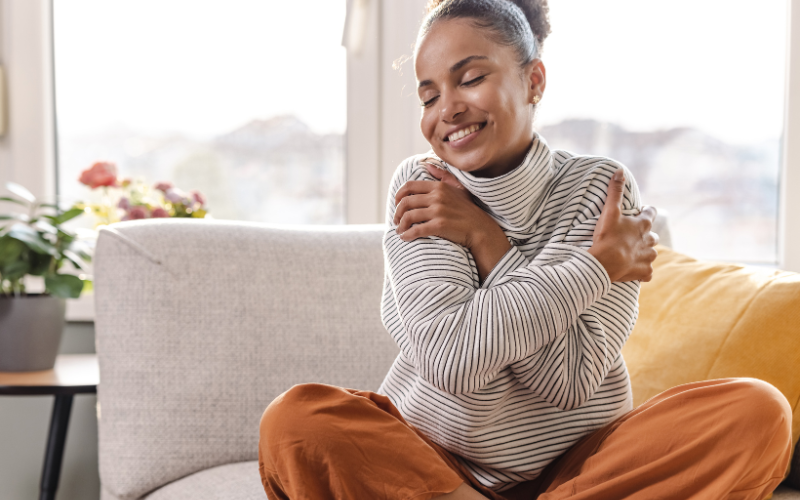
[[624, 244]]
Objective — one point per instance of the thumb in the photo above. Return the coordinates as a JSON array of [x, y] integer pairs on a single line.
[[616, 186], [443, 175]]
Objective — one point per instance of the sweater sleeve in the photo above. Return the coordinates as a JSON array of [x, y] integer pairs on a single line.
[[461, 334], [568, 370]]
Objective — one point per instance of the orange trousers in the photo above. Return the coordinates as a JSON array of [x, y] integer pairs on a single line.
[[719, 439]]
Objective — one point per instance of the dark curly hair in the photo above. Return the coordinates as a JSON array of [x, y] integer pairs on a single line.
[[522, 24]]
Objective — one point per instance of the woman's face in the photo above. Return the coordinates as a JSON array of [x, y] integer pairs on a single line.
[[477, 113]]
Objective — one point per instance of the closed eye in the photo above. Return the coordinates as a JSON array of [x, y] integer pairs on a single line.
[[474, 81], [430, 101]]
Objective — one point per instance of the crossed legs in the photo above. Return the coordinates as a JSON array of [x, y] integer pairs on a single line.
[[719, 439]]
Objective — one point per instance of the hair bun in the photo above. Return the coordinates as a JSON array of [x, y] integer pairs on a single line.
[[537, 12]]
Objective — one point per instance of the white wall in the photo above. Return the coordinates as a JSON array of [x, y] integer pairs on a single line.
[[26, 150]]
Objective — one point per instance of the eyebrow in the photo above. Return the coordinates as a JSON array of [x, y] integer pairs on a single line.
[[457, 66]]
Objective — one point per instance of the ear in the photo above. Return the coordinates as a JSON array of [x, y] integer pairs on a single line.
[[535, 79]]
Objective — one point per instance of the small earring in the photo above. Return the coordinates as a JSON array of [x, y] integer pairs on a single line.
[[536, 100]]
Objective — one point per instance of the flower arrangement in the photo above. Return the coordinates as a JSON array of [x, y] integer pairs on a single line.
[[126, 199], [34, 242]]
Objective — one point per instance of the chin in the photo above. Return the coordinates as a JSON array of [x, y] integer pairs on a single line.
[[468, 161]]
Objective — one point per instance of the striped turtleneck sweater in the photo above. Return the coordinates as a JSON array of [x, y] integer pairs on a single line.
[[510, 372]]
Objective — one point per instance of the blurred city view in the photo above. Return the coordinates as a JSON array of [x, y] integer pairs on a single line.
[[721, 199], [274, 170]]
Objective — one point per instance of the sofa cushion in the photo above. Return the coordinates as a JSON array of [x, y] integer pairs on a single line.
[[704, 320], [239, 481]]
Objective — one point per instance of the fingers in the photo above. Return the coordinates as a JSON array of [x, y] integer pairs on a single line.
[[413, 187], [651, 239], [422, 230], [443, 176], [410, 203], [643, 270], [649, 213], [616, 187], [647, 271], [645, 222], [414, 217], [435, 172]]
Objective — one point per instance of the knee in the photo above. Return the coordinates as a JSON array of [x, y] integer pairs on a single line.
[[762, 398], [292, 413], [761, 405]]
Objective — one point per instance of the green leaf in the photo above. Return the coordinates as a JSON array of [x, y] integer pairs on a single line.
[[10, 250], [21, 192], [66, 239], [68, 215], [15, 270], [39, 264], [30, 237], [65, 286], [13, 200]]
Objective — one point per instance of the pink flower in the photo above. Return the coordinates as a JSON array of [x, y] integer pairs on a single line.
[[159, 212], [136, 212], [163, 186], [198, 197], [124, 203], [102, 173], [175, 195]]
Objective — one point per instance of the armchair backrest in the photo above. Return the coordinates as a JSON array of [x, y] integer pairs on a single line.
[[201, 324]]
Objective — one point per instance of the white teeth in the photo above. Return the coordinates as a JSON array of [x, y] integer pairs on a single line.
[[463, 132]]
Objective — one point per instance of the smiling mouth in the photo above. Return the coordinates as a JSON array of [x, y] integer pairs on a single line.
[[464, 132]]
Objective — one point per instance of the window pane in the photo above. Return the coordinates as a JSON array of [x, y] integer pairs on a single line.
[[689, 95], [243, 100]]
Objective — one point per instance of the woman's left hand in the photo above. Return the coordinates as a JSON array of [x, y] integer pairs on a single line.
[[444, 208]]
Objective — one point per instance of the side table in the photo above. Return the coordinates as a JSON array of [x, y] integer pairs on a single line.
[[72, 374]]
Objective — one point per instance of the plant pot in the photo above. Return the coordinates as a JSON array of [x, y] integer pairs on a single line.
[[30, 332]]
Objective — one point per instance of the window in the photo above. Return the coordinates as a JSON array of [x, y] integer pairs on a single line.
[[243, 100], [690, 96]]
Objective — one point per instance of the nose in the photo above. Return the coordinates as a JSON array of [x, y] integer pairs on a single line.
[[451, 107]]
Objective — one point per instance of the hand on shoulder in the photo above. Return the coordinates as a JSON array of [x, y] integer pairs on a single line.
[[444, 208], [624, 244]]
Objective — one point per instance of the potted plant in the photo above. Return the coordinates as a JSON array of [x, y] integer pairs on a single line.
[[34, 242]]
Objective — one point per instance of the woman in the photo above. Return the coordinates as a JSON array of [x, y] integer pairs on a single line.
[[512, 282]]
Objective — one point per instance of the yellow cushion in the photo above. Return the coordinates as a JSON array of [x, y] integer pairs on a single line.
[[705, 320]]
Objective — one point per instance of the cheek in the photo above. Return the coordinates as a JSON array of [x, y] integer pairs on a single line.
[[495, 102], [427, 124], [510, 111]]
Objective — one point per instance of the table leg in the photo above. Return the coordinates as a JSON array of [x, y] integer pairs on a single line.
[[55, 446]]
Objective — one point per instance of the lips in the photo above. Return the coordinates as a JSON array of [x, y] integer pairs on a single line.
[[460, 134]]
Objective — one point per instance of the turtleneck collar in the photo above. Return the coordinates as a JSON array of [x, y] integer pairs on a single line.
[[514, 199]]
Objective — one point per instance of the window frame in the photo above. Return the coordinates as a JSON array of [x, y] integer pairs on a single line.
[[382, 105], [789, 193], [382, 128]]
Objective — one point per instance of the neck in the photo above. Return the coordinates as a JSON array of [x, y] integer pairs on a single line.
[[506, 164]]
